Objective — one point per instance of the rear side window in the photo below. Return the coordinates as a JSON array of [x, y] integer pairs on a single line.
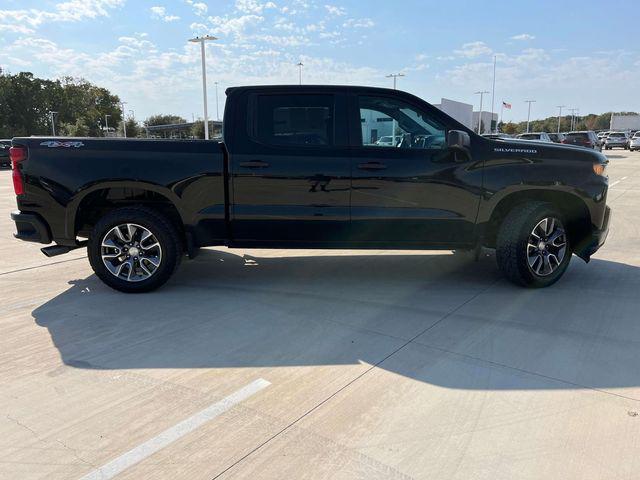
[[295, 120], [581, 136]]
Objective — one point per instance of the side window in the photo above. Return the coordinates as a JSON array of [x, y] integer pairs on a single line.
[[295, 120], [389, 122]]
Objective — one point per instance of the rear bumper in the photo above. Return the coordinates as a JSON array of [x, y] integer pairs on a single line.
[[31, 227]]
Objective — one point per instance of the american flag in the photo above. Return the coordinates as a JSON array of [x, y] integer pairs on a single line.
[[506, 105]]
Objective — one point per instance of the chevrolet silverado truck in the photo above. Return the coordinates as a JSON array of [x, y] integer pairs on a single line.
[[300, 167]]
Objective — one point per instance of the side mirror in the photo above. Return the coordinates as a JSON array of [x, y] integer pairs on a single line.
[[458, 139]]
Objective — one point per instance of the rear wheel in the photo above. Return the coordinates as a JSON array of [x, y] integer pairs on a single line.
[[134, 249], [532, 248]]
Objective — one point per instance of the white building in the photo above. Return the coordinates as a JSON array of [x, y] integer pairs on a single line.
[[375, 125], [488, 121], [624, 122], [462, 112]]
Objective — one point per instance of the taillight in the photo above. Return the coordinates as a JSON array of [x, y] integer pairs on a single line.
[[17, 155]]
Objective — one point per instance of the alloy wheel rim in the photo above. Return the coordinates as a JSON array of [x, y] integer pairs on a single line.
[[546, 247], [131, 252]]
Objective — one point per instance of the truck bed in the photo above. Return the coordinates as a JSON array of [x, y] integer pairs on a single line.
[[61, 174]]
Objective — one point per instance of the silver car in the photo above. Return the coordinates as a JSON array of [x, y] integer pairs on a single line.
[[539, 136], [617, 140], [634, 142]]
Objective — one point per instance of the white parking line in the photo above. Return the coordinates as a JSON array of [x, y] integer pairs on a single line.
[[148, 448], [617, 182]]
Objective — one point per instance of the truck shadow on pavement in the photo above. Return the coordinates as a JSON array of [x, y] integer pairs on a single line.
[[469, 329]]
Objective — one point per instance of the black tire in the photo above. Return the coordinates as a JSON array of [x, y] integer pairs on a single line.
[[163, 230], [513, 238]]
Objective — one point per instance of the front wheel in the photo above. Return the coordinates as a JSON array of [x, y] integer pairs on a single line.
[[134, 249], [532, 248]]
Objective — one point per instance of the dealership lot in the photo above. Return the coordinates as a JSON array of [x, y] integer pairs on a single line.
[[332, 364]]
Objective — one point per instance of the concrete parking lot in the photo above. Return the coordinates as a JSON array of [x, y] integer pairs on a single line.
[[271, 364]]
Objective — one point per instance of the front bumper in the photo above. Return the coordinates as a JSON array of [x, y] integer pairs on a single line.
[[596, 239], [31, 227]]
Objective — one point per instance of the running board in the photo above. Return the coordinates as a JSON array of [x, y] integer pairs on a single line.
[[55, 250]]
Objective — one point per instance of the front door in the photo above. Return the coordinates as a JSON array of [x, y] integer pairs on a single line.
[[291, 175], [414, 190]]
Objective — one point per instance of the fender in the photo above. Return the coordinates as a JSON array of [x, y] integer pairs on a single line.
[[74, 204]]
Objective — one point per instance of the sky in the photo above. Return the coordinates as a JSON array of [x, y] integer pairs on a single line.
[[581, 54]]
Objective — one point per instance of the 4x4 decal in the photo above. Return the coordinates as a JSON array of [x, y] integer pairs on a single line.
[[57, 144]]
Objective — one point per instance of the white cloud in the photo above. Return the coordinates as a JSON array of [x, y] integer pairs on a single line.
[[236, 26], [359, 23], [336, 11], [473, 49], [523, 36], [16, 29], [200, 8], [198, 28], [69, 11], [253, 6], [160, 13]]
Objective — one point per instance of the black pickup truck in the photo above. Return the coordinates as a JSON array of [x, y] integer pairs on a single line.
[[302, 167]]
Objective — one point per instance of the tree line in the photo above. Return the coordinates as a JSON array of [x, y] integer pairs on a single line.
[[550, 124], [81, 108]]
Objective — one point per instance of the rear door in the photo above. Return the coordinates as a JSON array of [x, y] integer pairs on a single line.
[[290, 171], [416, 191]]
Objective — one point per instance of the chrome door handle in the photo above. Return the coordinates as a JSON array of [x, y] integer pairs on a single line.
[[254, 164], [372, 166]]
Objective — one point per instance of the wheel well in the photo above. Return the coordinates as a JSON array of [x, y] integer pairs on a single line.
[[573, 209], [98, 203]]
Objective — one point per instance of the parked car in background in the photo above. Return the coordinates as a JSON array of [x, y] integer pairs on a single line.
[[496, 136], [556, 137], [634, 142], [386, 141], [540, 136], [585, 138], [6, 142], [5, 162], [617, 140]]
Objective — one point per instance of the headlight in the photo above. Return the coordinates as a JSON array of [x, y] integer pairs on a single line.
[[600, 169]]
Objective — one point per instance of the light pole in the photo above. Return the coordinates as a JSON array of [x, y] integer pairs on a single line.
[[53, 125], [217, 110], [300, 65], [493, 91], [106, 123], [560, 107], [529, 112], [395, 77], [573, 117], [124, 120], [201, 41], [481, 93]]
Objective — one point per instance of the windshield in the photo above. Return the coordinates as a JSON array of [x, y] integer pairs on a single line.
[[617, 135]]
